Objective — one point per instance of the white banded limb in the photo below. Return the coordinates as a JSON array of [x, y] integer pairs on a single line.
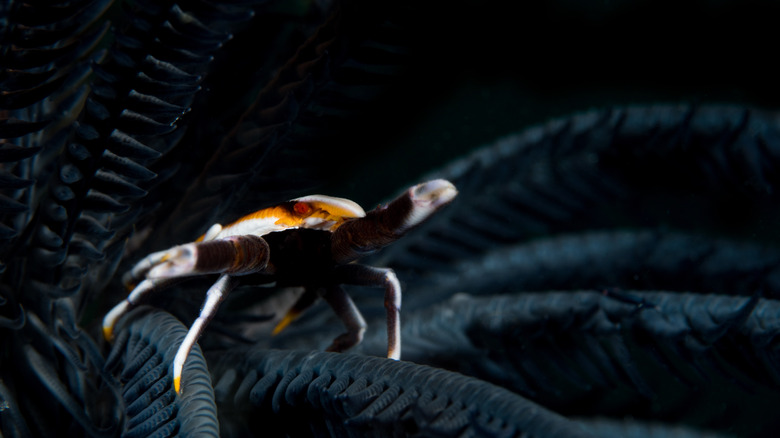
[[216, 294]]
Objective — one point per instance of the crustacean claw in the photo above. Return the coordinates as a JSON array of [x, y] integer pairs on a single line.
[[427, 198], [235, 255]]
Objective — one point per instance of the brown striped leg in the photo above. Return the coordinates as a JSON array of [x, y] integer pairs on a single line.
[[342, 304], [236, 255], [379, 277], [387, 223]]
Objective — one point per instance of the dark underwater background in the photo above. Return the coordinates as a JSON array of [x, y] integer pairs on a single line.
[[609, 268]]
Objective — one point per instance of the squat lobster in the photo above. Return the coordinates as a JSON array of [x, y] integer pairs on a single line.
[[310, 242]]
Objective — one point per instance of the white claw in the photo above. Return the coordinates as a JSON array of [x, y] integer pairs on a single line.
[[434, 193], [427, 198], [142, 267], [177, 262]]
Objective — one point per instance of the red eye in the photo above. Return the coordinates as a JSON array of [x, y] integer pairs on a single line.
[[302, 208]]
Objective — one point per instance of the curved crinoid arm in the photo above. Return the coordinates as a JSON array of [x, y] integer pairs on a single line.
[[355, 395], [387, 223], [234, 255]]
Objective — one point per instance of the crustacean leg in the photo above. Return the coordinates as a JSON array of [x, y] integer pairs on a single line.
[[231, 256], [309, 297], [140, 269], [217, 292], [143, 288], [234, 255], [346, 309], [388, 223], [361, 275], [380, 227]]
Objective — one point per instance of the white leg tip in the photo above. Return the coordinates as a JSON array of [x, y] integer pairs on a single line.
[[109, 321]]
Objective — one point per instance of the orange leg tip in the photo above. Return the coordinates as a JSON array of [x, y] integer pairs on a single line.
[[288, 318], [108, 333], [177, 384]]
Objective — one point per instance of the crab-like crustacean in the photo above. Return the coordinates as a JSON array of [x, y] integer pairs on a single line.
[[311, 242]]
